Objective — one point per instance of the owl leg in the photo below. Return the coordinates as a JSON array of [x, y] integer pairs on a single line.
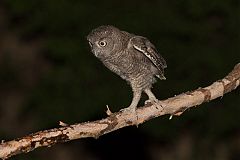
[[151, 98], [132, 108], [135, 100]]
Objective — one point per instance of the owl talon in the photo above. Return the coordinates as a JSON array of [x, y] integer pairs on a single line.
[[154, 102], [147, 101]]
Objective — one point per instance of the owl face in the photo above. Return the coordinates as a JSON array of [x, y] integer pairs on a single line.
[[103, 41]]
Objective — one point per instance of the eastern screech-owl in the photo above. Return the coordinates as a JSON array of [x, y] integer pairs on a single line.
[[134, 58]]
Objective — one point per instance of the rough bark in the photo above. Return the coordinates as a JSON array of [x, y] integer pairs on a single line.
[[173, 106]]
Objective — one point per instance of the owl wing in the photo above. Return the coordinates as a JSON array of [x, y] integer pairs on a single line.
[[144, 46]]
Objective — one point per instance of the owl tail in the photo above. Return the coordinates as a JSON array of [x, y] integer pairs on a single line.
[[161, 76]]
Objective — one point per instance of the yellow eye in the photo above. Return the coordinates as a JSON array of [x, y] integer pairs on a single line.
[[102, 43]]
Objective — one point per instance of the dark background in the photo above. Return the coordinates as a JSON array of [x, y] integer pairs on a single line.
[[48, 74]]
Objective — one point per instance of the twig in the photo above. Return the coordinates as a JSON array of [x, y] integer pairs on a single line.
[[173, 106]]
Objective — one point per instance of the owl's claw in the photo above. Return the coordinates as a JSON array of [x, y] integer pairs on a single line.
[[154, 102], [148, 101]]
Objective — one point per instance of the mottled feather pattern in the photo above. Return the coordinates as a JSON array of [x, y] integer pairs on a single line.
[[144, 46], [134, 58]]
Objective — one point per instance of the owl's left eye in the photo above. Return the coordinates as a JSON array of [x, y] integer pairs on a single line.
[[102, 43]]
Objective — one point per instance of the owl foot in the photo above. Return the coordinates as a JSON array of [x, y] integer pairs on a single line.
[[152, 99], [131, 112], [154, 102]]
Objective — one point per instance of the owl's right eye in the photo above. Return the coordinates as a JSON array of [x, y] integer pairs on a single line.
[[102, 43]]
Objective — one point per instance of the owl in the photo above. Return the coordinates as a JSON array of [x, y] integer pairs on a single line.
[[134, 58]]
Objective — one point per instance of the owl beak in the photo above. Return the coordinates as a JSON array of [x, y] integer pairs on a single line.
[[90, 43]]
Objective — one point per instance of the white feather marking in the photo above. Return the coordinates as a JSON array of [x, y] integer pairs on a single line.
[[145, 53]]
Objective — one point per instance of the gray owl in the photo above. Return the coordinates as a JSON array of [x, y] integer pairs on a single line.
[[134, 58]]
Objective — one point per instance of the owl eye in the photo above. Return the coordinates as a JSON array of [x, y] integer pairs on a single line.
[[102, 43]]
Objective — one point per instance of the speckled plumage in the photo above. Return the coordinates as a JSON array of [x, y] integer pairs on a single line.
[[134, 58]]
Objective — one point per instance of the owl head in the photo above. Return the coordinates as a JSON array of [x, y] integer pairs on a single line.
[[104, 41]]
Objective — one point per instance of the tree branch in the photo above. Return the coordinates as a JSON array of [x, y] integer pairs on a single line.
[[173, 106]]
